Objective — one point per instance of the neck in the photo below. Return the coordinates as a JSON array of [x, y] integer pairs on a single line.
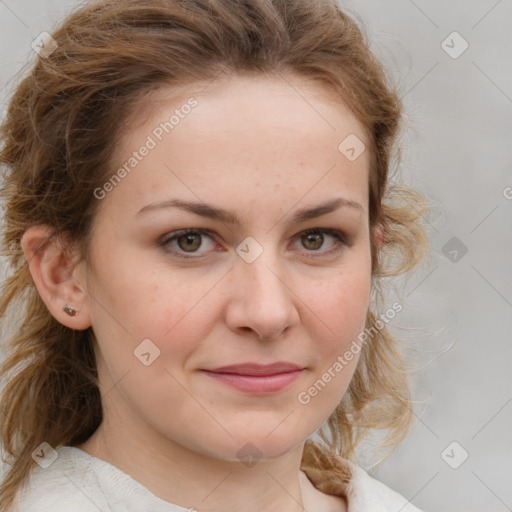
[[198, 481]]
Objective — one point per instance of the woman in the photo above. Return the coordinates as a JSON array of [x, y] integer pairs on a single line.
[[198, 216]]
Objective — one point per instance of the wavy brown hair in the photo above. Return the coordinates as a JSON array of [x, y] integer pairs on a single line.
[[63, 123]]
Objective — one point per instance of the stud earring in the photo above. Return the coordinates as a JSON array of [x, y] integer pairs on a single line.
[[70, 311]]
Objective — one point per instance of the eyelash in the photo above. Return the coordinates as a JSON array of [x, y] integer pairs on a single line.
[[340, 238]]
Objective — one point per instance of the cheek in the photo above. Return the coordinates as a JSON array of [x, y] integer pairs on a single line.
[[147, 299], [341, 305], [139, 305], [168, 309], [341, 310]]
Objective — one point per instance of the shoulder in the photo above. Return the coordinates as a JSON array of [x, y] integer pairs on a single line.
[[365, 494], [61, 485], [80, 482], [332, 474]]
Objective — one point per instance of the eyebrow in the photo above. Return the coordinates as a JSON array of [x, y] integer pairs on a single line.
[[216, 213]]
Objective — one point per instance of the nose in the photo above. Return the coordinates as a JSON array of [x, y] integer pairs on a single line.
[[262, 298]]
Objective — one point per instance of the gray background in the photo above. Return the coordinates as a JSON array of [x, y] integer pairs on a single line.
[[458, 315]]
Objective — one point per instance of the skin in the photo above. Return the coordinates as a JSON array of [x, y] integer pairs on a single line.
[[256, 147]]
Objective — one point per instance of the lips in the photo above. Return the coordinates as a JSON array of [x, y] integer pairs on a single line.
[[256, 370], [256, 378]]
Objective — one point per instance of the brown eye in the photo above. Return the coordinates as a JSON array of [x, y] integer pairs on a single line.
[[187, 241], [314, 239]]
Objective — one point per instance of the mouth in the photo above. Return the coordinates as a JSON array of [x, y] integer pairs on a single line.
[[256, 378]]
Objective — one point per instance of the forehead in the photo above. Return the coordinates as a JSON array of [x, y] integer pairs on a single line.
[[298, 103], [272, 134]]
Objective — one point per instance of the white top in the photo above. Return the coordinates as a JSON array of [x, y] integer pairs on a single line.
[[78, 482]]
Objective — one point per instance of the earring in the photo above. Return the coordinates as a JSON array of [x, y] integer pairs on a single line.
[[70, 311]]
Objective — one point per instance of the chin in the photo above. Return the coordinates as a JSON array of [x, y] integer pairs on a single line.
[[263, 447]]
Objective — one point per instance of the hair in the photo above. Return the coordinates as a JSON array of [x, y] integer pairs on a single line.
[[65, 120]]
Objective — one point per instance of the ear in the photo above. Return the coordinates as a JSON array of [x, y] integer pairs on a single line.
[[379, 235], [56, 276]]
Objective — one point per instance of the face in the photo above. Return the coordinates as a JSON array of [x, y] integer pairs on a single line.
[[252, 281]]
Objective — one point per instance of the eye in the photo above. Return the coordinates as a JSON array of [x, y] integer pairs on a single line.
[[313, 240], [185, 241], [189, 241]]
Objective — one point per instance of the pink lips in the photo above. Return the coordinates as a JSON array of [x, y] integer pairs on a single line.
[[256, 378]]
